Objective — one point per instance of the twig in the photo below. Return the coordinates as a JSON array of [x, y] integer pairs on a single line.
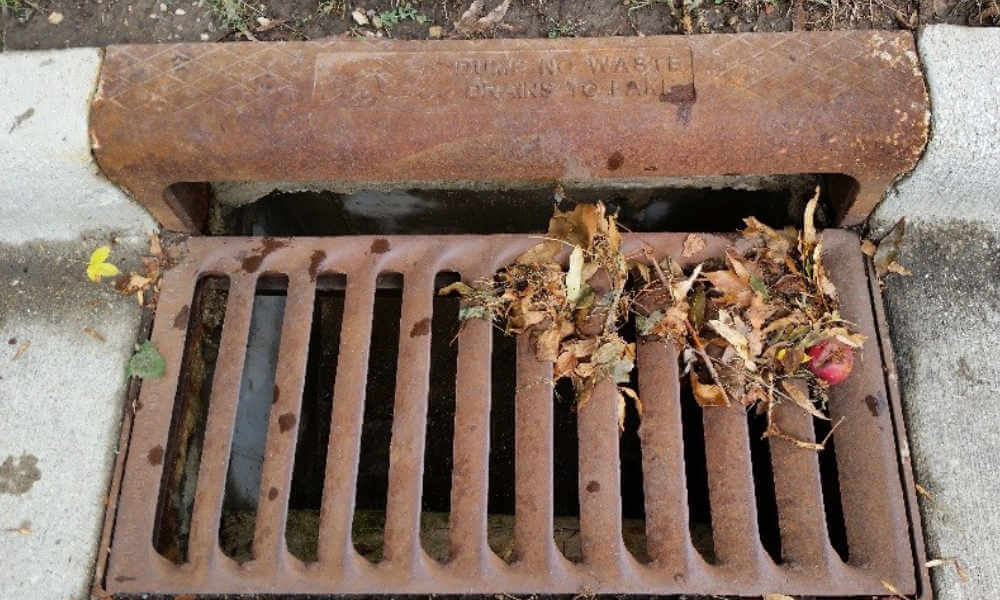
[[699, 348]]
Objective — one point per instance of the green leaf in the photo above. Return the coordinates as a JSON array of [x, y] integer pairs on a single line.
[[146, 363], [758, 286], [472, 312]]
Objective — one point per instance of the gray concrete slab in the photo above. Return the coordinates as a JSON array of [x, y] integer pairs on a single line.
[[52, 188], [945, 320], [61, 401]]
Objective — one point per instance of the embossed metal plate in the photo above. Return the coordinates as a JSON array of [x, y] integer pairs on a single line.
[[509, 112]]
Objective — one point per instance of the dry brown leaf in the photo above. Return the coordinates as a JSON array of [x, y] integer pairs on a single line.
[[21, 350], [895, 267], [693, 244], [868, 247], [892, 589], [462, 288], [949, 560], [798, 390], [777, 597], [809, 224], [888, 249], [708, 394], [155, 246], [471, 23], [94, 334]]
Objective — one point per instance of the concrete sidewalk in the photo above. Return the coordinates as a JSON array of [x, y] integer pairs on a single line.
[[62, 397], [945, 320]]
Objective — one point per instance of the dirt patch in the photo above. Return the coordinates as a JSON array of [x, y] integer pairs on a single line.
[[25, 25], [17, 478]]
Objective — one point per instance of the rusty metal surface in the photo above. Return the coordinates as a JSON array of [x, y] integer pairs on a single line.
[[877, 522], [509, 112]]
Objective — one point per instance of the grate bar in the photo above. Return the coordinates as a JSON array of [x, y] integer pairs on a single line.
[[668, 539], [600, 484], [534, 546], [731, 489], [203, 547], [402, 524], [799, 494], [876, 538], [282, 433], [470, 480], [336, 548]]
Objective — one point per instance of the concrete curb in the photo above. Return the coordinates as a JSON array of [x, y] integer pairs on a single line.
[[957, 176], [52, 188]]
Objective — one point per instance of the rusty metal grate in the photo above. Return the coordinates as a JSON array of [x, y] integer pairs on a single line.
[[874, 482]]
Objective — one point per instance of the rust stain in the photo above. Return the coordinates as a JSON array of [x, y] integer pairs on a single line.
[[593, 486], [421, 327], [277, 394], [380, 246], [872, 403], [155, 455], [286, 422], [181, 320], [267, 245], [318, 256], [616, 160], [124, 578], [683, 96], [272, 493]]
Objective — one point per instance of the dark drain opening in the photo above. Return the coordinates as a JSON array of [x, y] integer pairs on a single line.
[[630, 455], [830, 481], [566, 473], [368, 527], [696, 475], [502, 490], [763, 483], [308, 473], [695, 204], [440, 428], [253, 411], [203, 318]]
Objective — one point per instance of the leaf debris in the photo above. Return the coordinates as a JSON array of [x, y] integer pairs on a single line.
[[21, 350]]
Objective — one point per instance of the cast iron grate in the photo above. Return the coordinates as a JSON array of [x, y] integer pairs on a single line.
[[883, 543]]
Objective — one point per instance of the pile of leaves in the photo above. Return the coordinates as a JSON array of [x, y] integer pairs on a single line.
[[572, 315], [762, 328], [759, 326]]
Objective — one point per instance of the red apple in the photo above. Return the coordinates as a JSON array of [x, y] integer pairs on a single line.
[[831, 360]]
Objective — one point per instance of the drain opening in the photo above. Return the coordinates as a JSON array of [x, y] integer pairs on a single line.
[[502, 490], [696, 475], [763, 484], [308, 473], [681, 204], [830, 482], [566, 473], [203, 319], [368, 526], [253, 411], [439, 440], [630, 456]]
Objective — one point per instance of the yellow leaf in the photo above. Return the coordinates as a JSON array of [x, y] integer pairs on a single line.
[[97, 267]]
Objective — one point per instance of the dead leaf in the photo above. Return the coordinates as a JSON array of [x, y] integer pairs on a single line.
[[470, 23], [798, 390], [94, 334], [888, 249], [55, 18], [265, 24], [952, 560], [693, 244], [359, 17], [777, 597], [895, 267], [155, 246], [462, 288], [868, 247], [808, 224], [574, 276], [708, 395], [892, 589], [21, 350]]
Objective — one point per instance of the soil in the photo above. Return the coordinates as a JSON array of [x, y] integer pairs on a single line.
[[36, 24]]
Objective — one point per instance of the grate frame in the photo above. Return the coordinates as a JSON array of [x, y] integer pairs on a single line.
[[882, 523]]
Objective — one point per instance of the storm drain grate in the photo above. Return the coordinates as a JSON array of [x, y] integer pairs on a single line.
[[882, 544]]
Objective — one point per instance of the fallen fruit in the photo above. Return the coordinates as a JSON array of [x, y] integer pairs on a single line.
[[831, 360]]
